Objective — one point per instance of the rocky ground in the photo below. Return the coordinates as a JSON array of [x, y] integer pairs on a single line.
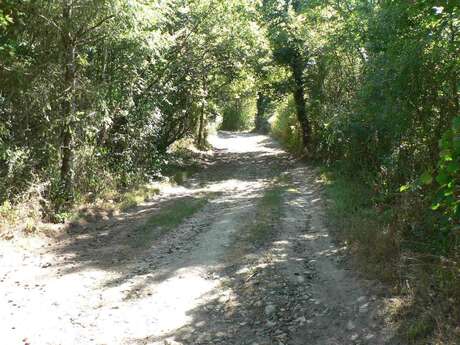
[[254, 264]]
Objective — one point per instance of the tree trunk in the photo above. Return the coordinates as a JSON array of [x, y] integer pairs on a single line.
[[68, 109], [261, 125], [454, 99], [201, 139], [299, 99]]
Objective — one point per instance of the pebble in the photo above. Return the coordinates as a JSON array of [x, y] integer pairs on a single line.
[[270, 309], [271, 324], [369, 336], [364, 308], [301, 320], [361, 299], [200, 324], [350, 325]]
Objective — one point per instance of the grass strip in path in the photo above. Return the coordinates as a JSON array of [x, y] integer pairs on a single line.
[[167, 219], [268, 213]]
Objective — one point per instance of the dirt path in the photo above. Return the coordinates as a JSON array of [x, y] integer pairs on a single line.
[[242, 257]]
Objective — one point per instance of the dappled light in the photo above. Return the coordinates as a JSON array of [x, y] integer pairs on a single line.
[[210, 277], [207, 278], [229, 172]]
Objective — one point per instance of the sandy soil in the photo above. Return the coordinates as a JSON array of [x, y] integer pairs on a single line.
[[205, 281]]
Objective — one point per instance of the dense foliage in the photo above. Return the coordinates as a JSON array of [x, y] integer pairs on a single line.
[[381, 87], [382, 99], [93, 93]]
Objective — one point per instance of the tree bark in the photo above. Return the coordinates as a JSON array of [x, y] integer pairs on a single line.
[[299, 99], [201, 134], [68, 108], [260, 120]]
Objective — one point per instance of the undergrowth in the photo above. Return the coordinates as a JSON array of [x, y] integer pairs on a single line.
[[32, 210], [285, 127], [396, 211], [380, 237]]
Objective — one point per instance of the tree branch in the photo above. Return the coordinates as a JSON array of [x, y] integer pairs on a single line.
[[50, 21], [82, 33]]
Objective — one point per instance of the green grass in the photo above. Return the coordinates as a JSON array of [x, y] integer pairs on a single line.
[[378, 236], [419, 328], [268, 211], [358, 221], [285, 127], [8, 213], [134, 198], [166, 219]]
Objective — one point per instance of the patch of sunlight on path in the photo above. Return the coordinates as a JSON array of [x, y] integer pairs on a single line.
[[161, 313], [240, 143]]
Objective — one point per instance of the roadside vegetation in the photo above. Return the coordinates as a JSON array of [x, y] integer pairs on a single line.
[[97, 95], [383, 103]]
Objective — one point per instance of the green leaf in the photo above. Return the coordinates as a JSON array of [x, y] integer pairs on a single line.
[[426, 178], [442, 178], [453, 167], [456, 145], [444, 142], [446, 155], [456, 124], [404, 188]]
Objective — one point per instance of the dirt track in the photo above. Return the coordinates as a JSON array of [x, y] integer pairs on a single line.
[[254, 264]]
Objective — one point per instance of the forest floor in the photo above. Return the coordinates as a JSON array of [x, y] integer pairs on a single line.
[[237, 254]]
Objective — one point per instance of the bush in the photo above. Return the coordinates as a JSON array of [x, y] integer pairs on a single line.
[[238, 114], [285, 127]]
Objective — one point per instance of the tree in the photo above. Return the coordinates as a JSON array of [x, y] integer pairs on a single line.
[[284, 23]]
